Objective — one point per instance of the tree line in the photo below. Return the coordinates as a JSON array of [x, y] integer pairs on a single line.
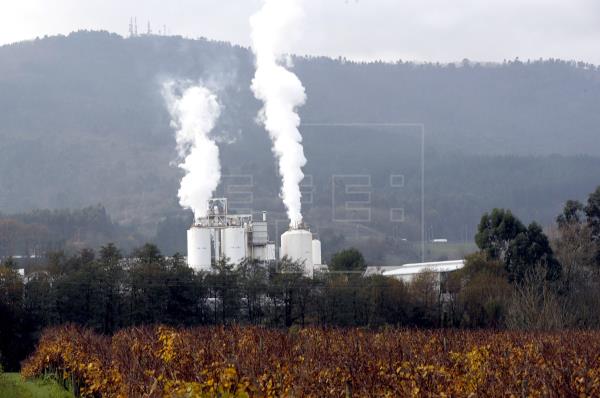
[[106, 292], [38, 232], [520, 278]]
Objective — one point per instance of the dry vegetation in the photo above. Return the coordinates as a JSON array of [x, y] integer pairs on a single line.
[[253, 361]]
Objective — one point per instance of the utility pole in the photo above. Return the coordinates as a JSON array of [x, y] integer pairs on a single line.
[[130, 27]]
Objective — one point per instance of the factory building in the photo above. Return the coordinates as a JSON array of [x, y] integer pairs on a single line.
[[222, 235], [407, 272], [237, 237]]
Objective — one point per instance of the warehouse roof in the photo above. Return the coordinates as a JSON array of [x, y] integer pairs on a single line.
[[435, 266]]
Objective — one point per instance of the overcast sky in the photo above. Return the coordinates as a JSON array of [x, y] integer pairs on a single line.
[[422, 30]]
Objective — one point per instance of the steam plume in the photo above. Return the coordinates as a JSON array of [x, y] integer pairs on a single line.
[[281, 93], [194, 112]]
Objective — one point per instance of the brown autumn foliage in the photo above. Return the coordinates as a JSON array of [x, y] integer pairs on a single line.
[[313, 362]]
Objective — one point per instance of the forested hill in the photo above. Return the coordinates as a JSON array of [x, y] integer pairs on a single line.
[[82, 122]]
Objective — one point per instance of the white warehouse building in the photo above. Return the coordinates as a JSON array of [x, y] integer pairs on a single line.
[[408, 272]]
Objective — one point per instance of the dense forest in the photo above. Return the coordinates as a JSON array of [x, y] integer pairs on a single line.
[[82, 122], [519, 278], [31, 235]]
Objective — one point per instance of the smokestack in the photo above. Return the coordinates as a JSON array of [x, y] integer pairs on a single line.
[[281, 93], [194, 113]]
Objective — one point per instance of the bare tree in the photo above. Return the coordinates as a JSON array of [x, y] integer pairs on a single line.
[[575, 249], [535, 304]]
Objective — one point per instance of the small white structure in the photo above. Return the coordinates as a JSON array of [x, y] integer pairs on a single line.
[[316, 252], [320, 268], [270, 250]]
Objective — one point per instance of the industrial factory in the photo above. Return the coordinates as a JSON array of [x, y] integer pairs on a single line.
[[237, 237]]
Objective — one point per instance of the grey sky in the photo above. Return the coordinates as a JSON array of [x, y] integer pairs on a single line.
[[424, 30]]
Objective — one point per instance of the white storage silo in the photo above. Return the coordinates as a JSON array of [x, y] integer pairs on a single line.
[[199, 248], [296, 244], [234, 244], [316, 251]]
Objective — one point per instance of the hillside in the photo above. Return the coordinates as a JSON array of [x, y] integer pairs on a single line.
[[82, 122]]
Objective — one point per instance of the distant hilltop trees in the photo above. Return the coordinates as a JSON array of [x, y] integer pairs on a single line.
[[36, 233], [83, 121]]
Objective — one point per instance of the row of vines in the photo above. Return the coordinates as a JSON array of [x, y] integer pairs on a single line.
[[259, 362]]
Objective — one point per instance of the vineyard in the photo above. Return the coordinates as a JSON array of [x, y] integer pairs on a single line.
[[258, 362]]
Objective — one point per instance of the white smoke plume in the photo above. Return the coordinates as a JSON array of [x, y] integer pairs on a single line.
[[281, 93], [194, 111]]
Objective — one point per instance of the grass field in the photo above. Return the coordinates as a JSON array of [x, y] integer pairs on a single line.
[[12, 385]]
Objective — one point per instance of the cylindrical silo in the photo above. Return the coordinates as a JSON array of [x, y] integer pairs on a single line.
[[296, 244], [316, 251], [199, 248], [234, 244]]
